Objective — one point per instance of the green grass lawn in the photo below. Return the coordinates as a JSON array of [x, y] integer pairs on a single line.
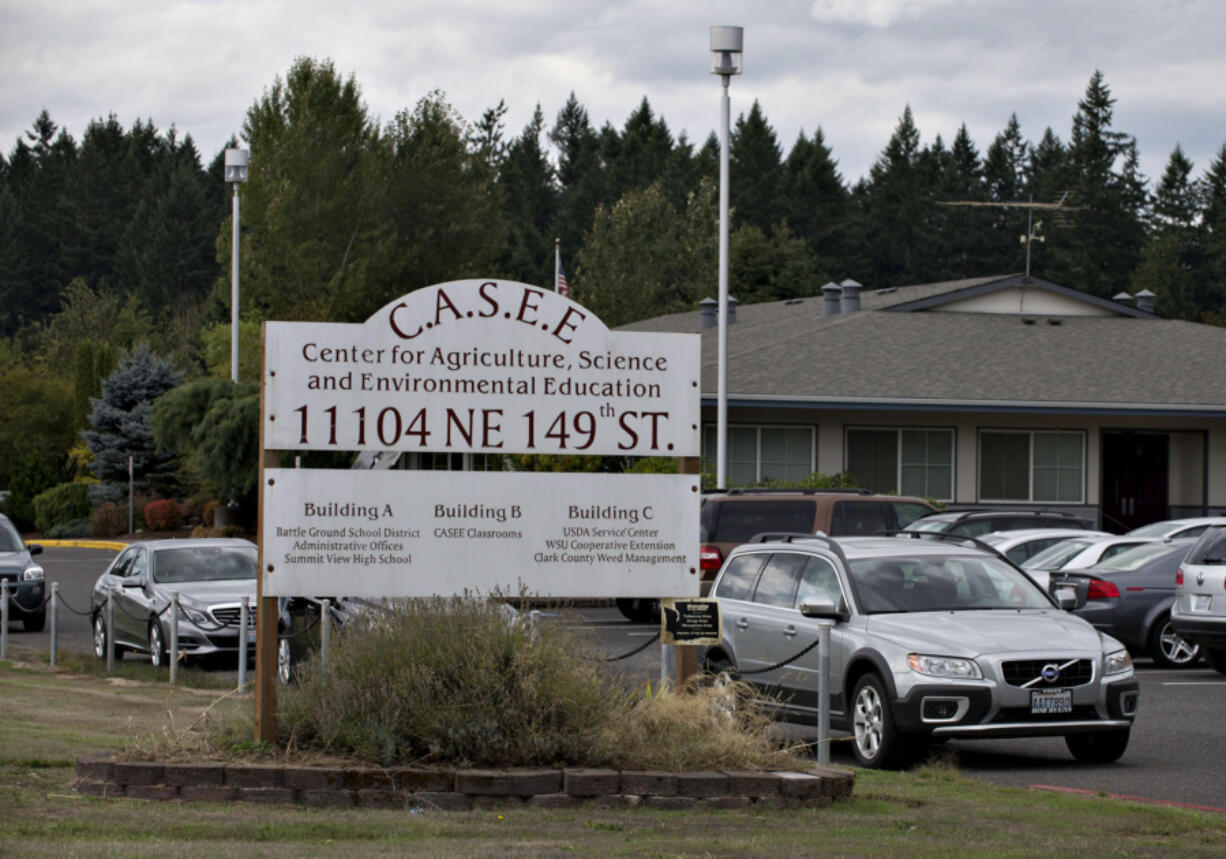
[[48, 719]]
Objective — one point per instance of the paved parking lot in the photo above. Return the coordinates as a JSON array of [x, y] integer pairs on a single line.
[[1176, 753]]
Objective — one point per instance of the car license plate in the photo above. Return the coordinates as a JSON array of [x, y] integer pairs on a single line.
[[1201, 602], [1044, 701]]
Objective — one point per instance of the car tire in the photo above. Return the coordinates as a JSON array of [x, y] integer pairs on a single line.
[[285, 661], [35, 621], [101, 635], [1103, 747], [639, 609], [875, 741], [157, 645], [1216, 660], [1168, 649]]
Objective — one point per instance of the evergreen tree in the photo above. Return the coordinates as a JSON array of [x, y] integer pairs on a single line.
[[1213, 233], [1099, 249], [1004, 178], [581, 174], [893, 224], [120, 421], [639, 155], [1172, 262], [214, 425], [756, 168], [529, 197], [816, 202]]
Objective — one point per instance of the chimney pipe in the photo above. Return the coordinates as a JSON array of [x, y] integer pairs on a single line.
[[708, 317], [732, 303], [1123, 298], [831, 294], [1145, 301], [851, 296]]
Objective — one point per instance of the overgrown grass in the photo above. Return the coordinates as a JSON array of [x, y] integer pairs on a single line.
[[188, 675], [465, 682]]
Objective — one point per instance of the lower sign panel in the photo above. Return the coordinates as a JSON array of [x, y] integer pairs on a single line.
[[331, 532]]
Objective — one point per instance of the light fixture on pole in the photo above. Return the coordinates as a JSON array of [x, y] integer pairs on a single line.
[[236, 174], [726, 49]]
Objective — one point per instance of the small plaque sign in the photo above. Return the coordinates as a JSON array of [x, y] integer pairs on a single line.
[[690, 621]]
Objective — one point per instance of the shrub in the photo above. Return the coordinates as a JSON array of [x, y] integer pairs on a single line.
[[69, 530], [163, 515], [459, 682], [60, 504], [206, 513], [109, 520]]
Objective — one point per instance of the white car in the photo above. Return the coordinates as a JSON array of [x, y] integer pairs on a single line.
[[1021, 545], [1079, 553], [1175, 528]]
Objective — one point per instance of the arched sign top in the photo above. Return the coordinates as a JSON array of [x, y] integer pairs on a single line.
[[489, 303], [481, 366]]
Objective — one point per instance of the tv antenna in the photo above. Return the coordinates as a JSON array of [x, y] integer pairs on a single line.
[[1032, 226]]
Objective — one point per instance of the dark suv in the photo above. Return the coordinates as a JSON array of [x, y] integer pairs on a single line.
[[25, 577], [974, 523]]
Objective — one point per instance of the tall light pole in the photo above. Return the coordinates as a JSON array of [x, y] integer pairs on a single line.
[[726, 49], [236, 174]]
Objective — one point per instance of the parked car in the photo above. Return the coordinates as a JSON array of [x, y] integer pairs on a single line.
[[1021, 545], [1176, 528], [210, 576], [1199, 612], [975, 523], [1078, 553], [25, 578], [932, 640], [1130, 597]]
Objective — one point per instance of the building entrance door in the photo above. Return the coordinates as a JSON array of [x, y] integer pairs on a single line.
[[1135, 477]]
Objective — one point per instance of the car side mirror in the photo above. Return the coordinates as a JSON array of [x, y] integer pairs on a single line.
[[34, 548], [1066, 598], [821, 608]]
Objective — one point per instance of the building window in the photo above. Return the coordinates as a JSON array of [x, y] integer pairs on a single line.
[[1032, 466], [917, 462], [758, 453]]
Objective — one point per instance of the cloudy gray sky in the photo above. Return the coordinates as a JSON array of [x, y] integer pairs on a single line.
[[849, 66]]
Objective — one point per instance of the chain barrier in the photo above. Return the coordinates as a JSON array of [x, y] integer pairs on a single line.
[[23, 609], [290, 636], [787, 661], [68, 606], [638, 649]]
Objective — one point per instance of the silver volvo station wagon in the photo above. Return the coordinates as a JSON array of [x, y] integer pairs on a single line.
[[931, 640]]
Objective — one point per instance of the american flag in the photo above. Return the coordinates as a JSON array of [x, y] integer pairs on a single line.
[[560, 285]]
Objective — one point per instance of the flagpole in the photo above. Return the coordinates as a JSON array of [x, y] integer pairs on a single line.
[[557, 261]]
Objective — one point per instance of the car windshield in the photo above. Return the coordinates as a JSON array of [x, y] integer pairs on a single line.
[[1153, 529], [10, 540], [936, 583], [1139, 556], [204, 564], [1055, 557], [926, 524]]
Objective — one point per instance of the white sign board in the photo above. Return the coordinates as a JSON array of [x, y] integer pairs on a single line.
[[426, 533], [481, 366]]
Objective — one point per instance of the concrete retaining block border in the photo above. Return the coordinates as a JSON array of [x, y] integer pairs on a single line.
[[460, 790]]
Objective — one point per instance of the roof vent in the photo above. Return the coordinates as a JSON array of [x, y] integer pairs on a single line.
[[851, 296], [1122, 298], [831, 295], [732, 303], [1145, 301], [1051, 320], [708, 315], [1026, 320]]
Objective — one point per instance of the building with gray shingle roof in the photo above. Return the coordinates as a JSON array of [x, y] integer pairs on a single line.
[[998, 391]]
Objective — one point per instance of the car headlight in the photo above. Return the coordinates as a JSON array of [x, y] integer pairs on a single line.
[[944, 666], [195, 615], [32, 574], [1117, 662]]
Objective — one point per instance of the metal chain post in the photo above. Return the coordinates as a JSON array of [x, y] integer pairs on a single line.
[[325, 631], [4, 619], [55, 617], [244, 613], [823, 692], [110, 631], [174, 639], [668, 664]]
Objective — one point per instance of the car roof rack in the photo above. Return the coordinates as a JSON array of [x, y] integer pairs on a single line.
[[781, 490], [945, 536], [793, 536]]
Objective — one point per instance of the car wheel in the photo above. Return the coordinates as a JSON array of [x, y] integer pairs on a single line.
[[1168, 649], [35, 621], [639, 610], [1103, 747], [1216, 660], [157, 645], [100, 636], [877, 744], [285, 661]]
